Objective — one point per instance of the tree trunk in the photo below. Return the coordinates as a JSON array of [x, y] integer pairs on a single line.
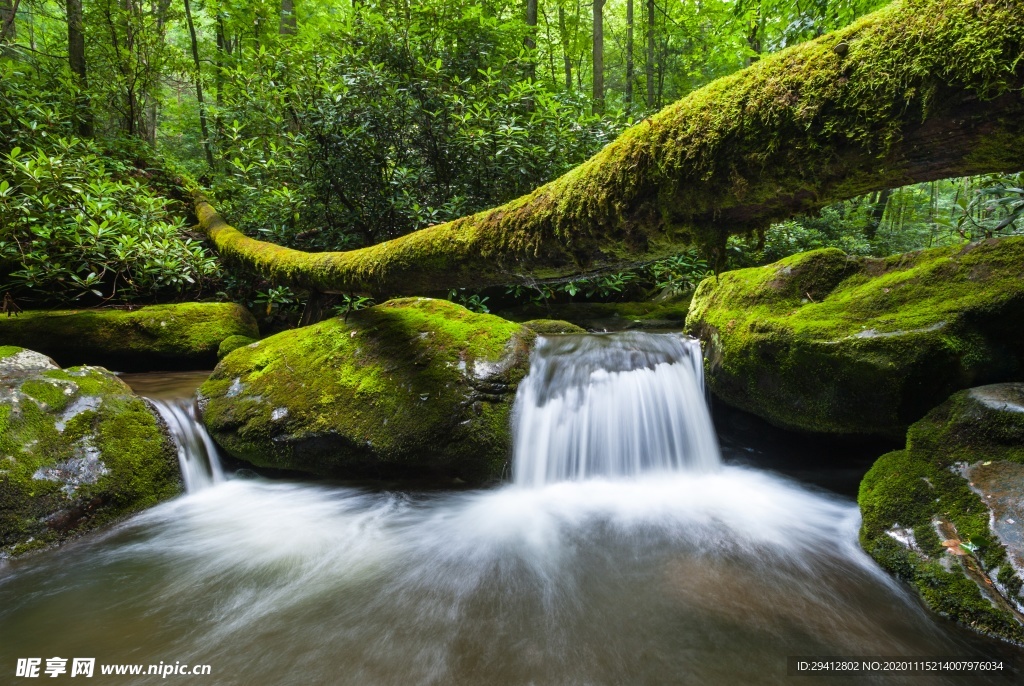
[[788, 136], [8, 26], [754, 35], [566, 58], [629, 55], [289, 23], [877, 212], [649, 66], [199, 85], [598, 56], [76, 60], [531, 37]]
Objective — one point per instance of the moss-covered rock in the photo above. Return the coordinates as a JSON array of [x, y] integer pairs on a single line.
[[410, 387], [178, 336], [232, 343], [947, 513], [614, 316], [827, 343], [547, 327], [77, 449]]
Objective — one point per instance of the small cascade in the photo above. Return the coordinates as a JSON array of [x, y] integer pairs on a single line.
[[197, 453], [612, 406]]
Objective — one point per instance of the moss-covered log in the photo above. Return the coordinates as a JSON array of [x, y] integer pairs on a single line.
[[920, 90]]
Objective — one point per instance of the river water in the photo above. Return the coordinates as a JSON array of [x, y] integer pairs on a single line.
[[624, 551]]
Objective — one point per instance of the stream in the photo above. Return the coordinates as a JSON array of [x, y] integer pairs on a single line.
[[628, 548]]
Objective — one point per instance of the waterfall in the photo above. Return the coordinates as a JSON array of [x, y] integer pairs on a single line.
[[612, 406], [197, 453]]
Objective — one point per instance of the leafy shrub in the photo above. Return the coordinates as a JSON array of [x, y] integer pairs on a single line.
[[83, 221], [80, 226]]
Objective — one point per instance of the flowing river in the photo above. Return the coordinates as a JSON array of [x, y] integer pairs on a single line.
[[624, 551]]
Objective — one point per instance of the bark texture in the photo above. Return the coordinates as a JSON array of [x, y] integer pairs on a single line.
[[918, 91]]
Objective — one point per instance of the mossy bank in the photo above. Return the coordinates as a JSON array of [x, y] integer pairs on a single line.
[[157, 337], [614, 316], [77, 450], [945, 513], [412, 387], [823, 342]]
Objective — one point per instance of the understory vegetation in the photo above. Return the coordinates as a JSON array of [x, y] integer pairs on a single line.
[[332, 126]]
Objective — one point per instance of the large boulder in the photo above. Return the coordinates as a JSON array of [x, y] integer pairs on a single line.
[[77, 449], [410, 387], [947, 513], [156, 337], [823, 342]]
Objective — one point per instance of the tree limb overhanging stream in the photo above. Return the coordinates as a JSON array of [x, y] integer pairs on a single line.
[[918, 91]]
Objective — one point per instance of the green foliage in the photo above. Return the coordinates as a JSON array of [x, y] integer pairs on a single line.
[[911, 218], [668, 278], [336, 144], [352, 303], [473, 302], [79, 226], [85, 220]]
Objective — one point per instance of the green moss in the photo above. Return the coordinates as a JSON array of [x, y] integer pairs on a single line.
[[232, 343], [912, 489], [547, 327], [827, 343], [410, 385], [48, 418], [8, 350], [602, 316], [796, 131], [183, 335]]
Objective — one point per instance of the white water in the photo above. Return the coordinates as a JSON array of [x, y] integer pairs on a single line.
[[651, 563], [197, 453], [614, 406]]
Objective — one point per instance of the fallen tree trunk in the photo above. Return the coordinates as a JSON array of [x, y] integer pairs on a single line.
[[918, 91]]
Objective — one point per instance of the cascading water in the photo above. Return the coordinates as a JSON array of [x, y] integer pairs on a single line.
[[612, 406], [197, 453], [624, 553]]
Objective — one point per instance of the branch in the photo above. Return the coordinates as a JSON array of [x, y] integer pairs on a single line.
[[918, 91]]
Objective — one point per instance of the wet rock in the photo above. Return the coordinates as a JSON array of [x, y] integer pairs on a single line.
[[947, 512], [77, 450], [827, 343], [412, 387]]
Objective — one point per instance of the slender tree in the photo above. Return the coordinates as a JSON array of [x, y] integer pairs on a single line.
[[629, 55], [598, 56], [566, 57], [199, 84], [76, 60], [531, 35], [8, 27], [649, 66], [289, 24]]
